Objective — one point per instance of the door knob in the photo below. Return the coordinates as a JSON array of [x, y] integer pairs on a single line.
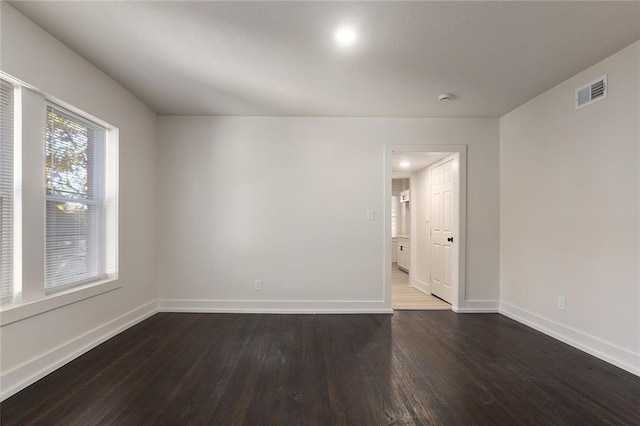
[[450, 239]]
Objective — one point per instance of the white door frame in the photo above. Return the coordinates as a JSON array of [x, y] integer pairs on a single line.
[[460, 151]]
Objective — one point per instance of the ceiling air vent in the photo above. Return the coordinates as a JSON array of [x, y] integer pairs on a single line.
[[592, 92]]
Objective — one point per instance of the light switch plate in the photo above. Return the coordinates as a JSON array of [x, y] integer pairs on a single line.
[[371, 214]]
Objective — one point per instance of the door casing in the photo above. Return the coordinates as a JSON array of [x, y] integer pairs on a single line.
[[459, 264]]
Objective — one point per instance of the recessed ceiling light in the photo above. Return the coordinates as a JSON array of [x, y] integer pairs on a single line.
[[405, 164], [345, 36]]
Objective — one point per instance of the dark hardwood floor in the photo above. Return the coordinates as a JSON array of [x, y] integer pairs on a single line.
[[431, 367]]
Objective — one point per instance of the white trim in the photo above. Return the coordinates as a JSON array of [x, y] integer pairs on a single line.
[[33, 370], [613, 354], [478, 307], [421, 285], [459, 290], [18, 311], [275, 306], [31, 115]]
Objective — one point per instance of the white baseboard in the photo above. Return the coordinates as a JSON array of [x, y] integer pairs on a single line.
[[33, 370], [422, 286], [275, 306], [620, 357], [478, 307]]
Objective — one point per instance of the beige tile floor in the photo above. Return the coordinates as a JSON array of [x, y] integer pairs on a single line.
[[404, 296]]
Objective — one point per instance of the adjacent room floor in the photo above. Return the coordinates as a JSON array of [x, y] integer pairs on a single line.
[[427, 367], [405, 297]]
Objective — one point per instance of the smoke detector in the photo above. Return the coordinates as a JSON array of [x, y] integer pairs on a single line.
[[445, 97]]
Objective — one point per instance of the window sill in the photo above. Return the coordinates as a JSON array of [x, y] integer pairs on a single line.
[[18, 311]]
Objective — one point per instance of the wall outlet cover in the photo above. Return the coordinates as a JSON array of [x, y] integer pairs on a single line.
[[562, 303]]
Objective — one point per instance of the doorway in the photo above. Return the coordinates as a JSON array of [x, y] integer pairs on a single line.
[[425, 195]]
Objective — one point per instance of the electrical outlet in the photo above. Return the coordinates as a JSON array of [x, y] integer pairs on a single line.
[[371, 214], [258, 285], [562, 303]]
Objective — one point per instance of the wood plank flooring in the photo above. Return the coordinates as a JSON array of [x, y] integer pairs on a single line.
[[404, 297], [413, 367]]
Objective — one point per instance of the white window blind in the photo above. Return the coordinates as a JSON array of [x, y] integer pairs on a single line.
[[6, 191], [75, 188]]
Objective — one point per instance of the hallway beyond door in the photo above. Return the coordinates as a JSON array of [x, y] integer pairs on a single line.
[[405, 297]]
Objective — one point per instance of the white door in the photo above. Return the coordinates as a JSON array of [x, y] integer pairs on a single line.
[[442, 220]]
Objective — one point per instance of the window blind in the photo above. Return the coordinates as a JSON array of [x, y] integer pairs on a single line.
[[75, 205], [6, 191]]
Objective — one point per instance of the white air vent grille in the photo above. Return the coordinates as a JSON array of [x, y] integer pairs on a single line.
[[592, 92]]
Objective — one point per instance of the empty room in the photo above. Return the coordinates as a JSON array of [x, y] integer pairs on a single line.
[[319, 213]]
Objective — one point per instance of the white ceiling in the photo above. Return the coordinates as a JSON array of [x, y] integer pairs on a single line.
[[279, 58], [417, 160]]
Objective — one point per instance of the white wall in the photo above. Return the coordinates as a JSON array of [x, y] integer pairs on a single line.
[[34, 346], [284, 200], [570, 210]]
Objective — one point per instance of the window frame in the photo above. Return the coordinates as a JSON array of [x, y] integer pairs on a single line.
[[30, 298], [93, 197]]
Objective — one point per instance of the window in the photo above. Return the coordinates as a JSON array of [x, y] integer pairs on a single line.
[[394, 216], [58, 203], [75, 200], [6, 191]]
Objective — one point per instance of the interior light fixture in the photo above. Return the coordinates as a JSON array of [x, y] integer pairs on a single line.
[[345, 36], [405, 164]]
